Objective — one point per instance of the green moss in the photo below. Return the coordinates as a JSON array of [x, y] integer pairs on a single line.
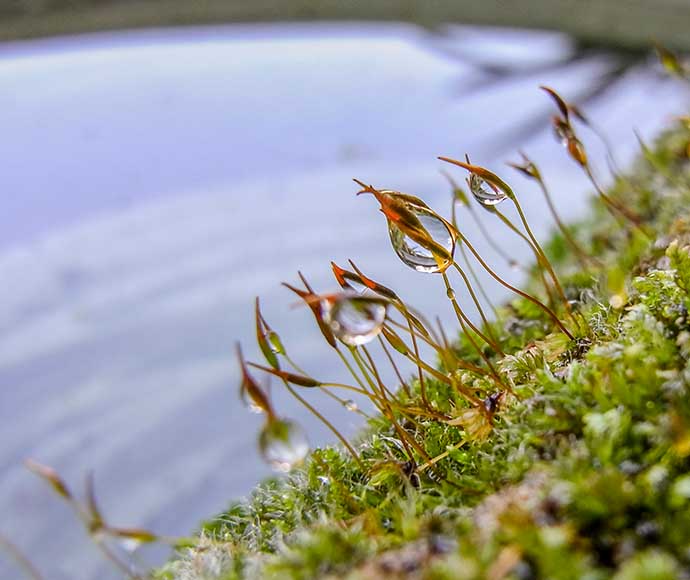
[[584, 473]]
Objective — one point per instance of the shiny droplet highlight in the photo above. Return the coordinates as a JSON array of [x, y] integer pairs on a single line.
[[485, 192], [418, 255], [354, 319], [283, 444]]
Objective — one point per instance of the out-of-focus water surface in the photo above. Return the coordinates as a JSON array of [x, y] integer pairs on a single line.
[[153, 183]]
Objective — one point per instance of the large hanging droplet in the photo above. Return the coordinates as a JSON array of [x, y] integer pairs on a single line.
[[356, 320], [485, 192], [417, 255], [283, 444]]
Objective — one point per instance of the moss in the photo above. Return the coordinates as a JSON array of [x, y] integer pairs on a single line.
[[584, 473]]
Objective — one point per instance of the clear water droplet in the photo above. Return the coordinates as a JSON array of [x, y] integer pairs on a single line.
[[350, 405], [254, 408], [130, 545], [450, 293], [275, 343], [283, 444], [359, 287], [564, 134], [415, 254], [356, 320], [486, 193]]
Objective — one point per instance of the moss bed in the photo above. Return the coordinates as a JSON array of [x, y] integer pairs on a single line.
[[585, 473]]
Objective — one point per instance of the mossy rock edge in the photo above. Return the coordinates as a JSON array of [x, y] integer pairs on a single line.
[[585, 473]]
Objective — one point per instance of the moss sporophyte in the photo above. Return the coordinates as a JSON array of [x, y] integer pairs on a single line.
[[550, 439]]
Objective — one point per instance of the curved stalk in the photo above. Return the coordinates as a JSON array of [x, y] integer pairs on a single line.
[[462, 319], [405, 437], [477, 281], [23, 561], [403, 384], [517, 291], [545, 260], [614, 205], [580, 254], [492, 342], [537, 255], [327, 423]]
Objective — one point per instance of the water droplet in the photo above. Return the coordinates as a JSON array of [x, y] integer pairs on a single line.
[[415, 254], [485, 192], [350, 405], [275, 343], [564, 134], [130, 545], [356, 320], [450, 293], [253, 407], [359, 287], [283, 444]]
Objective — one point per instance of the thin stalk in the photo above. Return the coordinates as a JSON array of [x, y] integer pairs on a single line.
[[379, 400], [372, 368], [328, 424], [328, 393], [405, 437], [493, 343], [545, 260], [517, 291], [363, 370], [614, 205], [492, 243], [462, 319], [438, 458], [580, 254], [24, 563], [119, 564], [349, 368], [477, 281], [536, 253], [404, 385], [460, 363], [420, 374]]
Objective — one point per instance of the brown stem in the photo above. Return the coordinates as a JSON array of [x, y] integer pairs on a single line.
[[545, 260], [614, 205], [493, 343], [462, 319], [328, 424], [511, 226], [405, 437], [403, 384], [477, 281], [580, 254], [517, 291]]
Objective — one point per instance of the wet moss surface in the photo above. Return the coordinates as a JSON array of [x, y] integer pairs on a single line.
[[584, 470]]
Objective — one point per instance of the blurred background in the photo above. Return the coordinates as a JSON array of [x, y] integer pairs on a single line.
[[155, 177]]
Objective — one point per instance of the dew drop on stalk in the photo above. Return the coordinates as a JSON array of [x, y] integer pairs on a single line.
[[350, 405], [562, 131], [484, 192], [416, 255], [253, 407], [356, 320], [283, 444]]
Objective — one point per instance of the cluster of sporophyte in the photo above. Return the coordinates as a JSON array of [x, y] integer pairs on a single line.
[[562, 451], [572, 392], [364, 313]]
